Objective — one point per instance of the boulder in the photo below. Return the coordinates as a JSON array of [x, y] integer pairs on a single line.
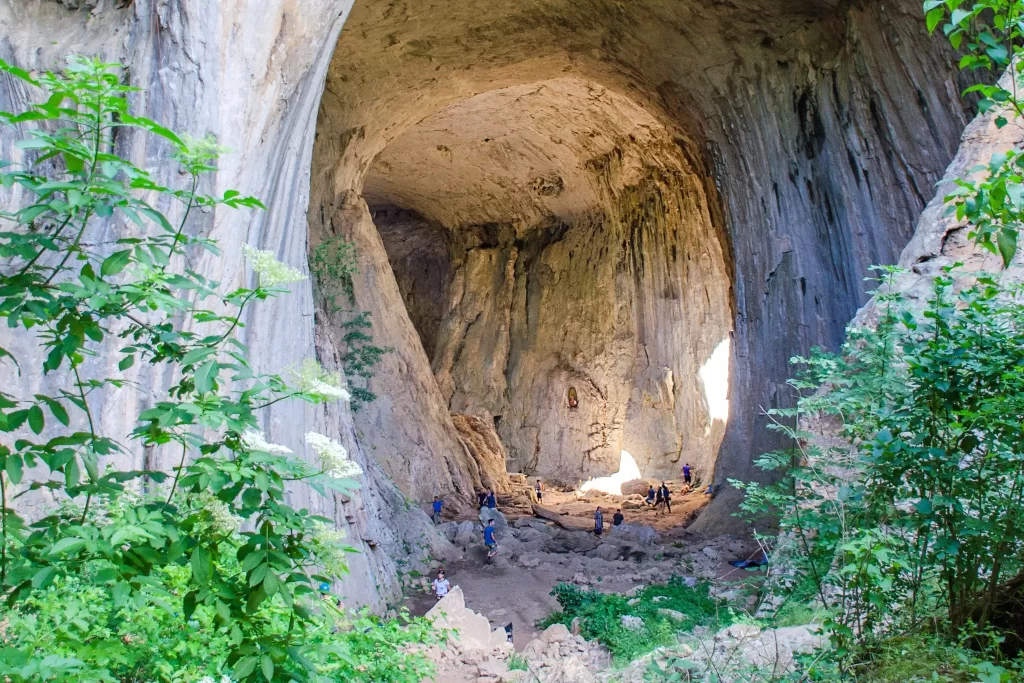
[[638, 487], [570, 670], [493, 514], [640, 534], [671, 614], [466, 534], [631, 623], [473, 631], [556, 633]]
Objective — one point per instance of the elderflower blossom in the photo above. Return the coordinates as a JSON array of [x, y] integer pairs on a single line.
[[315, 380], [327, 544], [220, 520], [271, 271], [333, 457], [211, 679], [255, 441]]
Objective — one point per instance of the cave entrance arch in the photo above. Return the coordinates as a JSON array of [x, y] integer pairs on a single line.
[[546, 235]]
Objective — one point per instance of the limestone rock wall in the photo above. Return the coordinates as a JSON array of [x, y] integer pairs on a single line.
[[815, 131], [251, 73]]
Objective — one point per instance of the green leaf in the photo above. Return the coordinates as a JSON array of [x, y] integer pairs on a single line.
[[959, 15], [195, 355], [116, 262], [934, 16], [245, 666], [57, 409], [202, 565], [13, 464], [126, 362], [1006, 239], [205, 376], [35, 419], [267, 667]]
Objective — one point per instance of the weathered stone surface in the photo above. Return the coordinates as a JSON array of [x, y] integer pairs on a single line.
[[640, 534], [484, 446]]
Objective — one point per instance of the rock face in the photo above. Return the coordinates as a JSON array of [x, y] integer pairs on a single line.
[[565, 195], [484, 446], [251, 73], [578, 196]]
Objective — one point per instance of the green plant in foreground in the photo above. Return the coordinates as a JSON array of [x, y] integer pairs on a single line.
[[92, 268], [600, 615]]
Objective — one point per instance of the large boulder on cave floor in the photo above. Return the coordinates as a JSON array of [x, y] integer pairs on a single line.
[[639, 534]]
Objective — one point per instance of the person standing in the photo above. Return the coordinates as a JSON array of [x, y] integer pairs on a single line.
[[598, 522], [658, 498], [492, 502], [438, 503], [540, 491], [441, 585], [489, 542], [666, 497], [481, 498], [687, 475], [618, 518]]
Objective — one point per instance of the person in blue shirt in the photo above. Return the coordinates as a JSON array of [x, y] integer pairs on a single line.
[[686, 474], [438, 503], [649, 500], [492, 545], [492, 502]]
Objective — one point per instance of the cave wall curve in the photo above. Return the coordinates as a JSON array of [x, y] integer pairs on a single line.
[[815, 130]]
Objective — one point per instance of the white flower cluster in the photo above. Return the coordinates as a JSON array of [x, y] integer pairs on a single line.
[[327, 543], [255, 441], [320, 382], [333, 457], [221, 521], [211, 679], [271, 271]]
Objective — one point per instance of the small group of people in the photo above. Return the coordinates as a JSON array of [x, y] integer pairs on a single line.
[[617, 519], [486, 499], [655, 499]]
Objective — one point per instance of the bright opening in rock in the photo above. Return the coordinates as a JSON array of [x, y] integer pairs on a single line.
[[628, 471], [714, 375]]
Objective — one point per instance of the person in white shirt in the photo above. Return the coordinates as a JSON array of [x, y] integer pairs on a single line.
[[441, 585]]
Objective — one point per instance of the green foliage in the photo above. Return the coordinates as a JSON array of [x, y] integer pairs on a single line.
[[917, 518], [333, 265], [991, 35], [107, 585], [517, 662], [600, 615]]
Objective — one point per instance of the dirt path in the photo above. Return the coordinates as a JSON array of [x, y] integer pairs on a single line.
[[507, 592]]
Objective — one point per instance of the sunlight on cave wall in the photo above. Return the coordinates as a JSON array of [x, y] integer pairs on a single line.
[[714, 374]]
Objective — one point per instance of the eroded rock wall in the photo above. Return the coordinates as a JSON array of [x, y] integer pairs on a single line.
[[251, 73], [816, 130]]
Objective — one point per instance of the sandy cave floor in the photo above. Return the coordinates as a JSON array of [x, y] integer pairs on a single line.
[[507, 592]]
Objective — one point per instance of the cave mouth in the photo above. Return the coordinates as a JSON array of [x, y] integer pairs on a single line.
[[555, 251]]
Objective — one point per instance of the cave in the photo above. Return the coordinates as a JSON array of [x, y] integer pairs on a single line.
[[656, 204]]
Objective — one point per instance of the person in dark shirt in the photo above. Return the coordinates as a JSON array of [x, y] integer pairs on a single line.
[[617, 519], [658, 499], [438, 503], [492, 545], [492, 502], [540, 492], [687, 478], [666, 497], [598, 522], [650, 496], [481, 498]]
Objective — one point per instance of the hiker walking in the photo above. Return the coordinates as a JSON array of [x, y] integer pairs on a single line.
[[438, 503], [441, 585], [481, 498], [687, 478], [666, 497], [598, 522], [492, 502], [659, 498], [492, 545]]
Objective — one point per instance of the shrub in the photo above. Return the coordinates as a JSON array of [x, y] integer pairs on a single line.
[[600, 615]]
